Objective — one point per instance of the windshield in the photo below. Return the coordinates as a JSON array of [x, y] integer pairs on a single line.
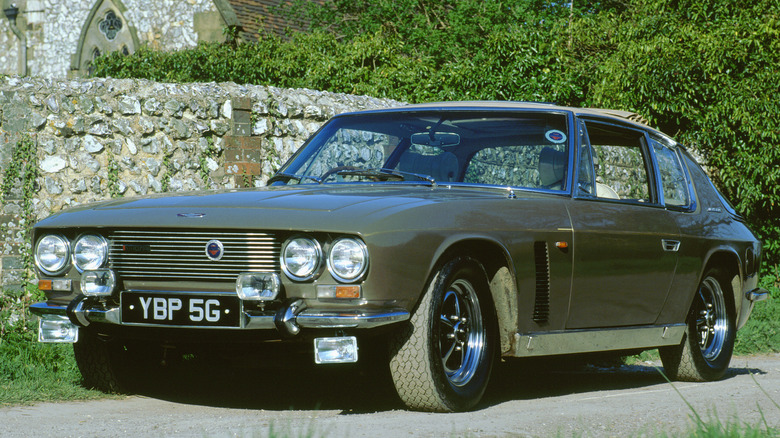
[[524, 150]]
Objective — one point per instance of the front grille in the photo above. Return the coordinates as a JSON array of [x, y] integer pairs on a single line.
[[182, 254]]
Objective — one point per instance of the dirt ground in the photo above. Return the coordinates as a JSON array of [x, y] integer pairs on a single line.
[[524, 399]]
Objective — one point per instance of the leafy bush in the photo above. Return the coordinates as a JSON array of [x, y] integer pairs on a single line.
[[704, 70]]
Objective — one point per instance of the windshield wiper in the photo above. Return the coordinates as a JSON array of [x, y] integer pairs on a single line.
[[385, 174], [288, 176]]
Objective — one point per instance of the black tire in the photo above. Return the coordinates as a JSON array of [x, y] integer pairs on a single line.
[[441, 361], [705, 351], [98, 359]]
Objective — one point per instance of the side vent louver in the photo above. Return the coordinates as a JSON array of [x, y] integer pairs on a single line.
[[542, 302]]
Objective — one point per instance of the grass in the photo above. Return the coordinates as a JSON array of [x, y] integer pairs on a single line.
[[761, 334], [33, 372]]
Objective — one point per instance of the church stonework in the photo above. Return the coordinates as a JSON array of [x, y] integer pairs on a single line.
[[63, 37]]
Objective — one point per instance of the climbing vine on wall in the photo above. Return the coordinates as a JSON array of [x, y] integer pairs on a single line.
[[113, 177], [20, 184], [209, 152]]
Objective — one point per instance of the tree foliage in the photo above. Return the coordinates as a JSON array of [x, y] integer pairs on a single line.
[[702, 70]]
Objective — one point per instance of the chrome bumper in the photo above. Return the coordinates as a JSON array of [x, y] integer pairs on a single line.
[[748, 300], [288, 321], [757, 294]]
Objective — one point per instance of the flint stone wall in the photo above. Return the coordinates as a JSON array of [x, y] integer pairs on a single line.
[[100, 138]]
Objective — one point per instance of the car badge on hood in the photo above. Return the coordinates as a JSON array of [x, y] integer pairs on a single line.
[[214, 250]]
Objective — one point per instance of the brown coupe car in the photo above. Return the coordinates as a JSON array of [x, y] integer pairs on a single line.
[[454, 233]]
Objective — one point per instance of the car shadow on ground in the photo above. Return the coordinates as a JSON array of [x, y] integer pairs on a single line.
[[530, 379], [367, 387]]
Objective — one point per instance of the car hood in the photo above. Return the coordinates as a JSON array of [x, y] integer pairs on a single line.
[[336, 208]]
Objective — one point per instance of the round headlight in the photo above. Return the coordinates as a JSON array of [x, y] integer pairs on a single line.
[[51, 254], [90, 252], [301, 258], [348, 259]]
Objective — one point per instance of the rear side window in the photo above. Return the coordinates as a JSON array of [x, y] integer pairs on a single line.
[[674, 186], [619, 163]]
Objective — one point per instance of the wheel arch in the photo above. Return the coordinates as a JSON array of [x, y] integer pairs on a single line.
[[496, 261], [727, 261]]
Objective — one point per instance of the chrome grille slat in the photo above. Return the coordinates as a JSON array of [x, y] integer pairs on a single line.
[[160, 253], [182, 255]]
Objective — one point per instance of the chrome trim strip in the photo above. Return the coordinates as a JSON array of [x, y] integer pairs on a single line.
[[587, 341], [312, 318], [45, 308]]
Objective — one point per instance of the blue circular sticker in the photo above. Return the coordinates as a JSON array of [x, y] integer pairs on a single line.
[[555, 136]]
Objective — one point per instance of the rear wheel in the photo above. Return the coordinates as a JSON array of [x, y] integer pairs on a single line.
[[443, 359], [706, 349]]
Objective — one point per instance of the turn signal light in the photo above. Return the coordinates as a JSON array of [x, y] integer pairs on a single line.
[[61, 285], [339, 291]]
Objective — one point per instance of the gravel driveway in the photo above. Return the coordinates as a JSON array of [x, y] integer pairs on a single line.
[[524, 400]]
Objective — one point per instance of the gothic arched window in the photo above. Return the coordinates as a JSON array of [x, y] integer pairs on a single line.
[[110, 26], [106, 30]]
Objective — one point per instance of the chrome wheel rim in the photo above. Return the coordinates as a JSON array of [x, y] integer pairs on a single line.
[[711, 319], [462, 332]]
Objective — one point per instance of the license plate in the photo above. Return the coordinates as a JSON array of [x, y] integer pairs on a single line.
[[204, 310]]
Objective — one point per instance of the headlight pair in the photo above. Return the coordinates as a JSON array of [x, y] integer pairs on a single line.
[[52, 253], [302, 257]]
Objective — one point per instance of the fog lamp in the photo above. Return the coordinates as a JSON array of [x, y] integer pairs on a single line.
[[98, 283], [342, 349], [258, 286], [57, 329]]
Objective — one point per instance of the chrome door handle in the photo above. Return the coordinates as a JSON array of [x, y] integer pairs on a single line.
[[670, 245]]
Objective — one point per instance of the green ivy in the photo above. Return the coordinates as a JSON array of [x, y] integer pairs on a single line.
[[21, 175], [113, 176], [210, 151], [168, 172]]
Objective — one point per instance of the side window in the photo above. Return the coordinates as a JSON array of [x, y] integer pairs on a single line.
[[619, 163], [585, 184], [673, 183]]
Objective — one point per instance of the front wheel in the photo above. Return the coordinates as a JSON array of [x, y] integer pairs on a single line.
[[708, 343], [442, 360], [99, 362]]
